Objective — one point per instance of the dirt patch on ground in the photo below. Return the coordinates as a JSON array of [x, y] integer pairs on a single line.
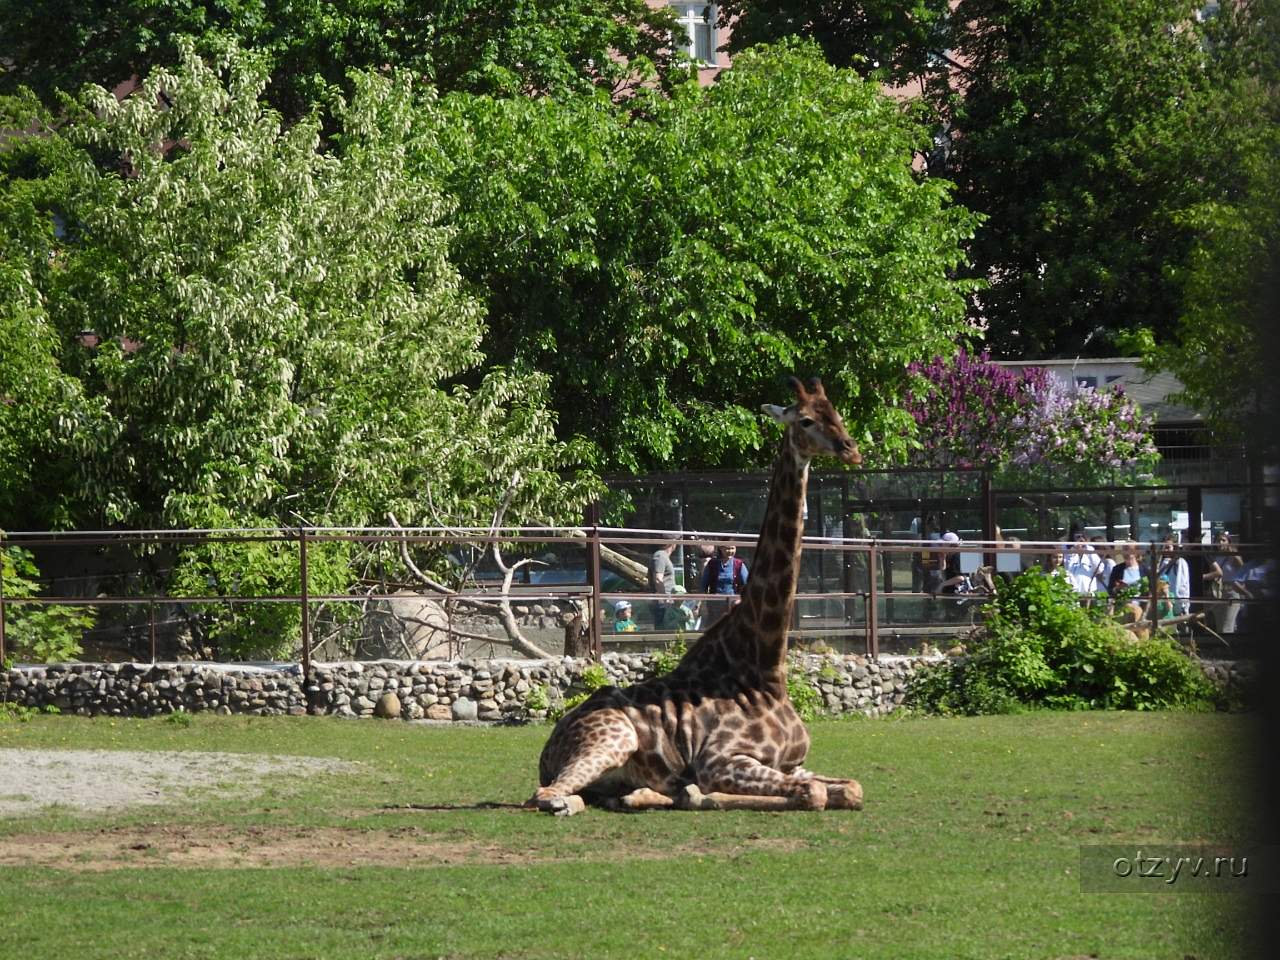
[[331, 847], [96, 780]]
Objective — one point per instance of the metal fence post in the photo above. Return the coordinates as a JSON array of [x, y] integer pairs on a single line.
[[1195, 556], [988, 516], [873, 616], [593, 571], [1153, 614], [306, 605]]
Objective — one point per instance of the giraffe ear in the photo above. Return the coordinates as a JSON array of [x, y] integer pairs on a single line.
[[778, 413]]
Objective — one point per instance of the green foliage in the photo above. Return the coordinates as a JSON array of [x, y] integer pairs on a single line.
[[20, 713], [38, 633], [260, 567], [664, 267], [880, 38], [277, 334], [277, 324], [1222, 348], [592, 678], [668, 658], [179, 719], [1122, 153], [806, 700], [1040, 647], [1085, 131], [16, 713], [538, 698], [536, 47], [33, 388]]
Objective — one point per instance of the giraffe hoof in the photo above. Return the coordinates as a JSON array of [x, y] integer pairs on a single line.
[[692, 798], [815, 797], [845, 795], [562, 806]]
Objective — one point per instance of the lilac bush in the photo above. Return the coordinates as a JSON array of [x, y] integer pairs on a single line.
[[970, 412], [1086, 433]]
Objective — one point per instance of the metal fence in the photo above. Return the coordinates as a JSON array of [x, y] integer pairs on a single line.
[[856, 594]]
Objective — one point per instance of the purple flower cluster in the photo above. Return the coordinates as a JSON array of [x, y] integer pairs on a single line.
[[1088, 430], [970, 412]]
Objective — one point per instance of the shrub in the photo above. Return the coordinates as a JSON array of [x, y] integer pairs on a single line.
[[592, 678], [1040, 647], [668, 658], [538, 698], [38, 634], [806, 700], [971, 412], [24, 714]]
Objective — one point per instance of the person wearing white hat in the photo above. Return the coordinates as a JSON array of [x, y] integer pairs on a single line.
[[950, 577], [622, 621]]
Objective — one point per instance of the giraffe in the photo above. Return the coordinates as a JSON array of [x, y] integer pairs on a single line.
[[719, 731]]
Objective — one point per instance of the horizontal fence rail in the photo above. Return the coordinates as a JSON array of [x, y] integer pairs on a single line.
[[852, 589]]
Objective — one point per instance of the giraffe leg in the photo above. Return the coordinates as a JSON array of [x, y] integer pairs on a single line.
[[842, 793], [695, 799], [743, 776], [642, 799], [578, 754]]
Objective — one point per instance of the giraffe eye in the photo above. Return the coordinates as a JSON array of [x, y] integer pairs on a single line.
[[806, 422]]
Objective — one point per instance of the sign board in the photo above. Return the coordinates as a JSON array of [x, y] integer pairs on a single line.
[[1008, 561]]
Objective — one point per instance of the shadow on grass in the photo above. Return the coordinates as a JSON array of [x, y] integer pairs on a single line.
[[435, 807]]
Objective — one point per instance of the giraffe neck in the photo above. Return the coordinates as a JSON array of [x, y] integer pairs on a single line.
[[764, 616]]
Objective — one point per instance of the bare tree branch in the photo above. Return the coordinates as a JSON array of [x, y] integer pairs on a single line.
[[500, 607]]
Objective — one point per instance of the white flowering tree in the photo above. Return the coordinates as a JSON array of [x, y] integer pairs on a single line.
[[263, 329]]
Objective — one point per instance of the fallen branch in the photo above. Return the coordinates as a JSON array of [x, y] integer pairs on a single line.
[[500, 607], [619, 563]]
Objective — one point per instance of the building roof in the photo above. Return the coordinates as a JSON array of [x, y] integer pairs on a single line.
[[1151, 391]]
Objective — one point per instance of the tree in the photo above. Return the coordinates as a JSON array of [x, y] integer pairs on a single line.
[[273, 328], [1093, 136], [33, 388], [275, 325], [893, 40], [522, 46], [666, 267], [1077, 132], [1222, 348], [253, 332]]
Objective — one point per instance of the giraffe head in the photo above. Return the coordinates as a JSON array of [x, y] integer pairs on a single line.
[[816, 427]]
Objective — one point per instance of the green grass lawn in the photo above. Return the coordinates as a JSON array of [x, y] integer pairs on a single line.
[[969, 846]]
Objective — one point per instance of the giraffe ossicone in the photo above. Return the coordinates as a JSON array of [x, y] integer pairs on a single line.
[[718, 731]]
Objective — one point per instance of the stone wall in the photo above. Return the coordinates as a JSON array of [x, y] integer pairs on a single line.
[[463, 690]]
